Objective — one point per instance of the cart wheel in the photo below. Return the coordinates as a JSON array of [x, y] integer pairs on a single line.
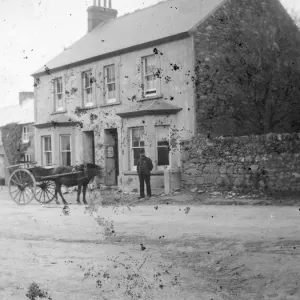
[[45, 191], [22, 186]]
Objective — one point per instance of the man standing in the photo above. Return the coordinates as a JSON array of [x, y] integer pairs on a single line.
[[144, 167]]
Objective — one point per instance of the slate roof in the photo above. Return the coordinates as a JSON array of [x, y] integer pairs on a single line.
[[20, 114], [164, 20], [151, 107]]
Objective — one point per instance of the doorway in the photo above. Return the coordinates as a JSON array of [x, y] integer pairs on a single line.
[[88, 147], [111, 156]]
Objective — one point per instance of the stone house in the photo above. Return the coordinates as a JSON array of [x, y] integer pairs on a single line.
[[128, 84], [22, 115]]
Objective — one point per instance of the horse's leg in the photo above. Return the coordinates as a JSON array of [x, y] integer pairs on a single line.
[[84, 193], [61, 196], [56, 192], [78, 193]]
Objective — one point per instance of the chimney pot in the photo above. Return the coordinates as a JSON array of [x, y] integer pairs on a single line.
[[95, 3], [97, 14], [104, 3]]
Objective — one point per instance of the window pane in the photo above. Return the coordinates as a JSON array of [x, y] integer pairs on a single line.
[[137, 134], [48, 158], [136, 155], [110, 74], [150, 83], [47, 144], [163, 142], [59, 85], [162, 133], [66, 158], [111, 91], [163, 156], [149, 64], [65, 143]]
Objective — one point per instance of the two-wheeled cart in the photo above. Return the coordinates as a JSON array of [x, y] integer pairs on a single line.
[[29, 181]]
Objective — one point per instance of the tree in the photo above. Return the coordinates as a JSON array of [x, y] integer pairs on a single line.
[[251, 83]]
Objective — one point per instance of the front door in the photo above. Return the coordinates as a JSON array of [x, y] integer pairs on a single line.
[[88, 147], [111, 157]]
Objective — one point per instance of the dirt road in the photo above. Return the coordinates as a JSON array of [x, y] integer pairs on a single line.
[[207, 252]]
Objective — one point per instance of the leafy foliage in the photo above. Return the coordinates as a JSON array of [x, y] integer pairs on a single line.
[[249, 84], [34, 292], [12, 142]]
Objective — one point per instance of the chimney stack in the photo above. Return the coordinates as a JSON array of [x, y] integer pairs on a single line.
[[98, 14]]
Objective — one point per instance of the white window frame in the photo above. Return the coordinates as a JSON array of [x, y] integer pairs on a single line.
[[61, 150], [25, 134], [163, 167], [85, 100], [106, 84], [59, 103], [145, 75], [131, 160], [44, 159]]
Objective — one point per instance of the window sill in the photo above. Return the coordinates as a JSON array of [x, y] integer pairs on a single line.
[[25, 141], [58, 112], [83, 108], [110, 104], [159, 96], [153, 173]]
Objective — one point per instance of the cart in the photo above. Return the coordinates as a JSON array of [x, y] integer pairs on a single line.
[[29, 181]]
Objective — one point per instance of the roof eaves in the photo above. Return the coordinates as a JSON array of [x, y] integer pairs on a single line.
[[171, 38], [139, 113]]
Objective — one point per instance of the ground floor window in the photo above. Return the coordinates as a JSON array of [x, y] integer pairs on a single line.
[[137, 143], [163, 145], [65, 150], [47, 151]]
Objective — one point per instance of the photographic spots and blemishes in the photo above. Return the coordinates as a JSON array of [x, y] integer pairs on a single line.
[[47, 70], [187, 210], [175, 67], [156, 51], [143, 247]]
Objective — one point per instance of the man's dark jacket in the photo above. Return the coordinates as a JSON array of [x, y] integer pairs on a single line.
[[144, 166]]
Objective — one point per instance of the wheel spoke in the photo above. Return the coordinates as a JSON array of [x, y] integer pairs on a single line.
[[16, 179], [44, 196], [17, 194], [41, 195], [17, 189], [50, 192], [19, 178], [48, 197], [20, 196], [24, 197]]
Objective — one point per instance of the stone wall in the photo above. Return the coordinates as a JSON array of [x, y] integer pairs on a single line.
[[270, 162]]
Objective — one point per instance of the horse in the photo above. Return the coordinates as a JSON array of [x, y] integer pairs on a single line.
[[88, 172]]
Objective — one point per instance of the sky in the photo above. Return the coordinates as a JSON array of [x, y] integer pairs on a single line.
[[34, 31]]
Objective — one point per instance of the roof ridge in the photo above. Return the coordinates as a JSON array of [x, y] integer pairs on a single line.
[[145, 8]]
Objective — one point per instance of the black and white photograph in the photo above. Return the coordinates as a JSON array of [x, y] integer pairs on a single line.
[[150, 150]]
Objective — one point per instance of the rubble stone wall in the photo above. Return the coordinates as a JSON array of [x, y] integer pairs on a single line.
[[270, 162]]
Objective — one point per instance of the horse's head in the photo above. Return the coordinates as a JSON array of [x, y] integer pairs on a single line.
[[92, 170]]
